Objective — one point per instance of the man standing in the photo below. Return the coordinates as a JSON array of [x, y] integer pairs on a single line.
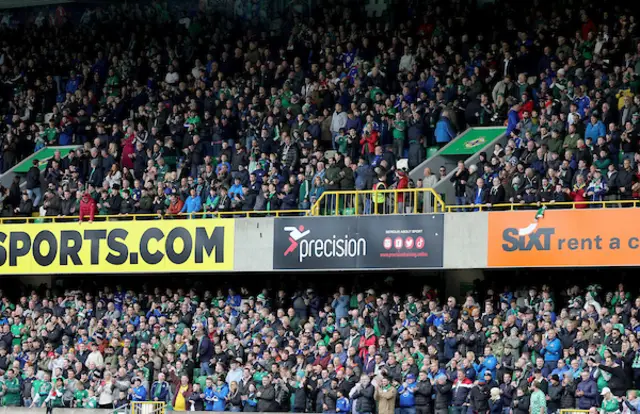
[[423, 393], [338, 120], [538, 404], [407, 400], [363, 395]]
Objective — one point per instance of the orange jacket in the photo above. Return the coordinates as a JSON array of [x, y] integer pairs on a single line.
[[175, 208]]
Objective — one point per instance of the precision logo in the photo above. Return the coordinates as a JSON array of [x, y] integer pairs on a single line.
[[335, 246]]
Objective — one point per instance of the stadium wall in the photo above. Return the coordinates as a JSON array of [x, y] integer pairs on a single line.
[[253, 250], [438, 242]]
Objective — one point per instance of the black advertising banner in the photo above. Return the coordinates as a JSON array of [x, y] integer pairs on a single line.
[[359, 242]]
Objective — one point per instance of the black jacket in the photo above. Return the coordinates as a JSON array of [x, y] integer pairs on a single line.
[[267, 399], [33, 178], [423, 393], [198, 402], [520, 405], [365, 402], [115, 203], [458, 186], [479, 397], [26, 207], [625, 180], [555, 395], [618, 381], [54, 207], [329, 399], [68, 207], [127, 206], [443, 396], [567, 398], [299, 398], [95, 177]]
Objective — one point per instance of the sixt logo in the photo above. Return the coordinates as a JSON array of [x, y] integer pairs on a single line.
[[527, 238], [336, 247]]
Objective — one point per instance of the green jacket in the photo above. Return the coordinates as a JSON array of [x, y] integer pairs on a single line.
[[342, 143], [146, 203], [12, 392], [78, 396], [399, 128], [538, 403], [571, 141], [609, 406], [333, 178]]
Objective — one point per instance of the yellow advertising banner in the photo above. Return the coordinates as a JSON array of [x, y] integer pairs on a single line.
[[154, 246]]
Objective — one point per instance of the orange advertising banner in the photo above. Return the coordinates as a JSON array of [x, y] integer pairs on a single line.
[[586, 237]]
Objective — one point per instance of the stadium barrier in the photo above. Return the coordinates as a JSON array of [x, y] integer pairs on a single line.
[[573, 411], [146, 407], [533, 206], [366, 202], [347, 203]]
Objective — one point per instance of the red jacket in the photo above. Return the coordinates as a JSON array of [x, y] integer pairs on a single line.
[[323, 361], [527, 106], [87, 207], [403, 183], [578, 194], [365, 343], [368, 142]]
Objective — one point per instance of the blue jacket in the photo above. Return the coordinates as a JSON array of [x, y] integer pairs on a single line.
[[450, 347], [560, 372], [594, 131], [192, 205], [73, 84], [205, 350], [160, 391], [139, 394], [234, 301], [341, 306], [342, 405], [489, 364], [251, 401], [444, 132], [219, 395], [589, 399], [513, 120], [235, 189], [552, 351], [355, 123], [583, 104], [406, 396], [209, 399]]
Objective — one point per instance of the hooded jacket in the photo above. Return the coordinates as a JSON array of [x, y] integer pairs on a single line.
[[87, 207]]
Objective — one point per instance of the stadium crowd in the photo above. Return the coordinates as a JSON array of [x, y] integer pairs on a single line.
[[522, 351], [221, 118]]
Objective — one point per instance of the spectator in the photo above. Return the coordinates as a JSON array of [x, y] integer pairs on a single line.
[[385, 394]]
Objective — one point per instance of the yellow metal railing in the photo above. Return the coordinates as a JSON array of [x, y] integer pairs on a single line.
[[573, 411], [529, 206], [354, 202], [140, 217], [363, 202], [148, 407]]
